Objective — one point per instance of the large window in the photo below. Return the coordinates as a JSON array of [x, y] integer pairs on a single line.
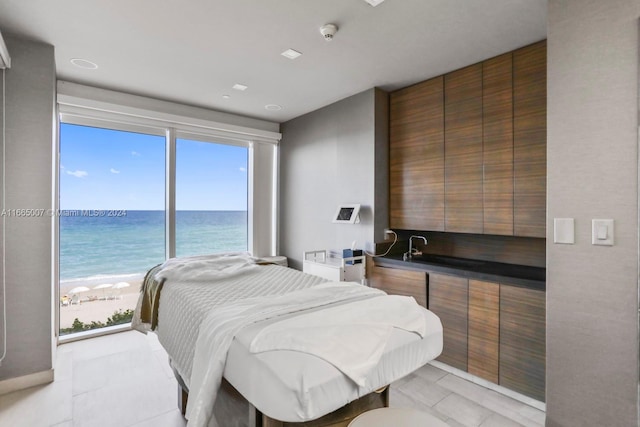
[[211, 197], [111, 222], [140, 181], [115, 212]]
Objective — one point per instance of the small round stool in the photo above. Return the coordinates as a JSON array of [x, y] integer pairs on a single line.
[[396, 417]]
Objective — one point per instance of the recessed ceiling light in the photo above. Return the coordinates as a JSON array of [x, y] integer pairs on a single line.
[[83, 63], [226, 96], [291, 54], [238, 86], [272, 107], [374, 3]]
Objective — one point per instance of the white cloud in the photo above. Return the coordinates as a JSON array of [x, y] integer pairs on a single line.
[[135, 153], [243, 169], [78, 174], [114, 170], [61, 166]]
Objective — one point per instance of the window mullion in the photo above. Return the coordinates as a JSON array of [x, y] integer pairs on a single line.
[[170, 234]]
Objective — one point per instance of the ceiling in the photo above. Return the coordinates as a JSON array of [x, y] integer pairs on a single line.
[[194, 51]]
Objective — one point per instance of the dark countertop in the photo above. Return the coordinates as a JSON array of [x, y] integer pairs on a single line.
[[508, 274]]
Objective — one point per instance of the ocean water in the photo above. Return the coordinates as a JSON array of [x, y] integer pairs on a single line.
[[96, 245]]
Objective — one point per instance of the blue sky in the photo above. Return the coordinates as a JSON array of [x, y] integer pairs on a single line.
[[107, 169]]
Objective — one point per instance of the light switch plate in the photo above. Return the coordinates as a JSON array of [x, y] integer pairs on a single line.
[[563, 231], [602, 232]]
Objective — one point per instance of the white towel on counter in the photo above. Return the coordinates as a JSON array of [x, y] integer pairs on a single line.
[[350, 336]]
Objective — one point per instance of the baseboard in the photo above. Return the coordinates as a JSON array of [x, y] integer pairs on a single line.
[[26, 381], [488, 384]]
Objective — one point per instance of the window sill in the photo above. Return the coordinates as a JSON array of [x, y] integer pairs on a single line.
[[63, 339]]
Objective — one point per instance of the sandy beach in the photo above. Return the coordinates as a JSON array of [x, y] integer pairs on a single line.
[[97, 304]]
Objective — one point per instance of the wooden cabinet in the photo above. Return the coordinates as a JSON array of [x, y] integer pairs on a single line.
[[494, 331], [522, 340], [463, 150], [497, 136], [484, 330], [468, 149], [416, 157], [399, 282], [448, 300], [530, 140]]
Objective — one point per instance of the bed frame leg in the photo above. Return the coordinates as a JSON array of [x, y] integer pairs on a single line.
[[385, 396], [268, 422], [182, 400]]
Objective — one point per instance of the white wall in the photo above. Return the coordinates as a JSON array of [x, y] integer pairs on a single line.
[[30, 94], [592, 291], [328, 157]]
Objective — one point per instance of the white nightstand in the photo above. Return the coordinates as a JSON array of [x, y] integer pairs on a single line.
[[334, 269]]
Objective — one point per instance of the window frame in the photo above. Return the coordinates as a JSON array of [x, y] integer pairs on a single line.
[[171, 135], [87, 106]]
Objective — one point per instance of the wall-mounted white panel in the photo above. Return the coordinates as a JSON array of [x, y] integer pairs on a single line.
[[564, 231]]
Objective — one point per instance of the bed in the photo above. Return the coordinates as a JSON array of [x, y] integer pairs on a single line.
[[255, 344]]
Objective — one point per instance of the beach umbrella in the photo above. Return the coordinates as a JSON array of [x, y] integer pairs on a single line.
[[74, 293], [121, 285], [79, 289], [103, 287]]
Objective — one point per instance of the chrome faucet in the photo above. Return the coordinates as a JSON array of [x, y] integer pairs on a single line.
[[413, 251]]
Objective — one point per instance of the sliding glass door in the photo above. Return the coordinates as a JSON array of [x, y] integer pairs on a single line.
[[111, 222]]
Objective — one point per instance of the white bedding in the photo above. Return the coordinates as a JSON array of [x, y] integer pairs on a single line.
[[291, 386], [222, 324], [184, 304], [351, 336], [207, 268], [286, 385]]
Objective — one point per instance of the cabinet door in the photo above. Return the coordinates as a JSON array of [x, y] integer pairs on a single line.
[[484, 329], [399, 282], [448, 300], [530, 139], [416, 157], [522, 340], [463, 150], [497, 117]]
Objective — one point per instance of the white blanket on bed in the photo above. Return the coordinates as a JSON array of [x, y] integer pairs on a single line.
[[206, 268], [350, 336], [222, 324]]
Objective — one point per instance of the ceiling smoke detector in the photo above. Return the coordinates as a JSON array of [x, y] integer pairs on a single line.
[[328, 31]]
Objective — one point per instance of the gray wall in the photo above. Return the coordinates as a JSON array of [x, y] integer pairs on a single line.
[[328, 157], [30, 94], [592, 291]]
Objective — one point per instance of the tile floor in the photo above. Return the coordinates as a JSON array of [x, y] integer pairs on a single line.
[[125, 380]]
